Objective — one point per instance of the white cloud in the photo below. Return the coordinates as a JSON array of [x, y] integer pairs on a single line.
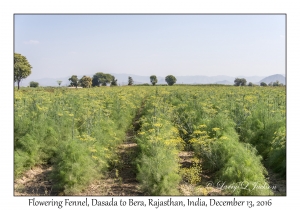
[[34, 42]]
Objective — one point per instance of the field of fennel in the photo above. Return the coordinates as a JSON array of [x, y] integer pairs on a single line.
[[76, 131], [235, 133]]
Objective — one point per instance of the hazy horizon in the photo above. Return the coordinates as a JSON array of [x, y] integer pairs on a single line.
[[59, 46], [90, 74], [138, 79]]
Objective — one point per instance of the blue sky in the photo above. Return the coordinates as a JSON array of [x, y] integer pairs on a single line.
[[234, 45]]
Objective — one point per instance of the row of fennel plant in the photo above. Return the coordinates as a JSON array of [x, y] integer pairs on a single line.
[[75, 131], [206, 124], [263, 124], [159, 143]]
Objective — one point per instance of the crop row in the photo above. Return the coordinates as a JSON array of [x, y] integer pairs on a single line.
[[236, 131], [159, 144], [75, 131]]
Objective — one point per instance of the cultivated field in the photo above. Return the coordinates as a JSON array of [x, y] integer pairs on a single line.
[[135, 140]]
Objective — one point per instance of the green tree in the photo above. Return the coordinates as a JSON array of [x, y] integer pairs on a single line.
[[33, 84], [22, 68], [85, 82], [130, 81], [113, 81], [263, 84], [240, 82], [170, 79], [101, 78], [74, 81], [153, 79], [59, 82], [250, 84]]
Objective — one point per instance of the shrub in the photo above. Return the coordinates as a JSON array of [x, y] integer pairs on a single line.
[[33, 84]]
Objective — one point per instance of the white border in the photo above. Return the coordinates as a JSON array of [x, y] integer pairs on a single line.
[[8, 8]]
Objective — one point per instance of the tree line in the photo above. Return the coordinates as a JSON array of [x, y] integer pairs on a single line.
[[22, 69], [99, 79], [103, 79], [243, 82]]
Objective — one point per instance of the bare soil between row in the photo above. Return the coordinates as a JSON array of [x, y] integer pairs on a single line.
[[121, 180]]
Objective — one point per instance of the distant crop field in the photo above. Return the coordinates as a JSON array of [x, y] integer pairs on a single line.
[[236, 135]]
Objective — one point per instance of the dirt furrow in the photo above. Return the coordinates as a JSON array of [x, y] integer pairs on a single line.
[[121, 179], [35, 182]]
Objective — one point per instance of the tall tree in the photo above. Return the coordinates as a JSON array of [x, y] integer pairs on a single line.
[[101, 78], [113, 81], [130, 81], [22, 68], [85, 82], [153, 79], [240, 82], [170, 79], [74, 81], [263, 84]]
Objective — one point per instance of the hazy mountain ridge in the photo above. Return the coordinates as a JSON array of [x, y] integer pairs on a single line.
[[197, 79], [274, 78]]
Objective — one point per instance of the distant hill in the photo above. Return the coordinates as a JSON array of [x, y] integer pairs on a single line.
[[224, 82], [274, 78], [196, 79]]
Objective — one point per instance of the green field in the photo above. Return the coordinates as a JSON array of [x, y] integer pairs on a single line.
[[236, 134]]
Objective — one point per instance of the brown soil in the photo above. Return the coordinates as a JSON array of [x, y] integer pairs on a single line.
[[278, 185], [185, 158], [120, 181], [35, 182]]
